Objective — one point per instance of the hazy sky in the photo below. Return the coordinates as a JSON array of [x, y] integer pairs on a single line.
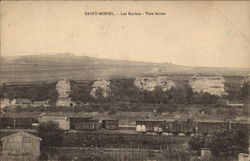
[[198, 33]]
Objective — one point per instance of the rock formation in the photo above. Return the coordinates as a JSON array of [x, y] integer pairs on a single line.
[[212, 84], [104, 85], [149, 83], [63, 88]]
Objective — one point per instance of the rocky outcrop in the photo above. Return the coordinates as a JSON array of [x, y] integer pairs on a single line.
[[149, 83], [104, 85], [63, 88], [5, 103], [212, 84], [247, 79]]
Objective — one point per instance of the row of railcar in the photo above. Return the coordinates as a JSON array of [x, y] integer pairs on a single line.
[[18, 123], [185, 127], [174, 127], [66, 123], [81, 124]]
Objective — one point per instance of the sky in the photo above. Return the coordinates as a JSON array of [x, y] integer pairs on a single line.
[[193, 33]]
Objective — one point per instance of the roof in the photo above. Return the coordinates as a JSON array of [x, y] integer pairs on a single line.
[[53, 117], [20, 133], [38, 102], [26, 101], [81, 117], [110, 119]]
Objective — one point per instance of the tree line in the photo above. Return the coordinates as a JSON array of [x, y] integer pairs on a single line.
[[124, 91]]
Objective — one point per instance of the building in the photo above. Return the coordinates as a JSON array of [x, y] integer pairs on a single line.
[[234, 104], [150, 83], [63, 121], [64, 102], [110, 124], [76, 120], [104, 85], [208, 83], [20, 146], [40, 103], [21, 102]]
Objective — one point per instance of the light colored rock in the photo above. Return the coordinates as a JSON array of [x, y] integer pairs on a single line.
[[212, 84], [104, 85], [247, 79], [149, 83], [63, 88], [5, 103]]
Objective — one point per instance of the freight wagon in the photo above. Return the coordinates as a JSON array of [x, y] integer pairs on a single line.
[[91, 125], [205, 127], [235, 126], [18, 123], [77, 120], [111, 124], [180, 127], [186, 127], [3, 123], [150, 126]]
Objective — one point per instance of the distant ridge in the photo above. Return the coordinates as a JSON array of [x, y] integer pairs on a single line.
[[48, 67]]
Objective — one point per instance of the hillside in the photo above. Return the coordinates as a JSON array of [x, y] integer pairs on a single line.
[[37, 68]]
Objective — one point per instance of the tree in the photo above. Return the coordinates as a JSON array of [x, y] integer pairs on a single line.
[[50, 133], [80, 91], [189, 95], [158, 95], [227, 143], [112, 111], [245, 91], [99, 95]]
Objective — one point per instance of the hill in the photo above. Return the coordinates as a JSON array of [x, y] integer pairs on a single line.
[[39, 68]]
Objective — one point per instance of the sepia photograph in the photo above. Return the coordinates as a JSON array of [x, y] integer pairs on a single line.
[[124, 80]]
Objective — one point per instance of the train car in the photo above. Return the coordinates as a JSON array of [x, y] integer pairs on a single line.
[[3, 123], [20, 123], [90, 125], [150, 126], [76, 120], [206, 127], [159, 126], [110, 124], [180, 126], [140, 126], [238, 126], [127, 127]]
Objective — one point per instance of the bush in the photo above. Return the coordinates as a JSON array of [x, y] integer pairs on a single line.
[[101, 110], [50, 133], [88, 109], [197, 142], [124, 107], [112, 111], [225, 143], [177, 153]]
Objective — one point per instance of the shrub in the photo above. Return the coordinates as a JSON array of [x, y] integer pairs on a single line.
[[112, 111], [225, 143], [50, 133], [88, 109], [101, 110]]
